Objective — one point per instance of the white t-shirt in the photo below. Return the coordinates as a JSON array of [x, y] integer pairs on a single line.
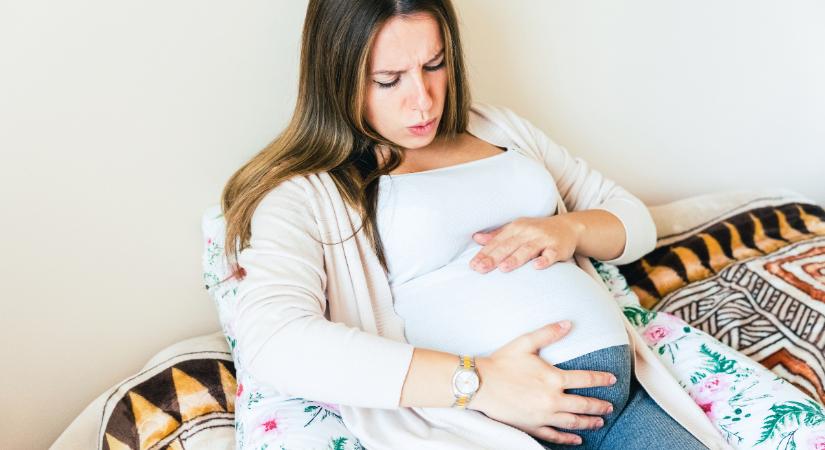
[[426, 221]]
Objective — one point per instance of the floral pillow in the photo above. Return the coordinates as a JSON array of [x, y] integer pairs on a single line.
[[264, 418], [751, 406]]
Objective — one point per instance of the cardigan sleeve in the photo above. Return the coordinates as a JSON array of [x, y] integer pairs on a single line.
[[582, 187], [283, 336]]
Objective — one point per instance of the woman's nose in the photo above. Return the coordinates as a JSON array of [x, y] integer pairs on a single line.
[[422, 99]]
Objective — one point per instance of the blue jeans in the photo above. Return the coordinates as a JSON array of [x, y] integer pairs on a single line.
[[637, 422]]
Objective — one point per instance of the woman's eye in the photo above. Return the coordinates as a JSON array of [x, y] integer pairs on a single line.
[[436, 67], [439, 66], [387, 85]]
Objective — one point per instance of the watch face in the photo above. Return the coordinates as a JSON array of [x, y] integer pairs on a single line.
[[466, 382]]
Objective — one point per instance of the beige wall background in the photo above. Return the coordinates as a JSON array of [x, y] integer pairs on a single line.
[[120, 122]]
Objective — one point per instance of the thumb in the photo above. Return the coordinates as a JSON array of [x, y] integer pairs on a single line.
[[535, 340]]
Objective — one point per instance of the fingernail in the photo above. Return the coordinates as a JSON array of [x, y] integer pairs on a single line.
[[612, 379], [564, 324]]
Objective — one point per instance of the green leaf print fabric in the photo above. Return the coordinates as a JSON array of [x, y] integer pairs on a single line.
[[751, 406], [265, 418]]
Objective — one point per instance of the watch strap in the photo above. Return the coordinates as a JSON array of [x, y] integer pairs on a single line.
[[464, 362]]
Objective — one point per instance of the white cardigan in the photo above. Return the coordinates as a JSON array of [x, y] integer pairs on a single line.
[[317, 321]]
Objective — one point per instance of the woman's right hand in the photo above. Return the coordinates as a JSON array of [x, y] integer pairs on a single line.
[[524, 391]]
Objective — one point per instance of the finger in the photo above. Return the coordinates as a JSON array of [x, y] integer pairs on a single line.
[[482, 237], [557, 437], [486, 260], [481, 262], [533, 341], [570, 421], [519, 257], [501, 247], [547, 258], [580, 404], [586, 378]]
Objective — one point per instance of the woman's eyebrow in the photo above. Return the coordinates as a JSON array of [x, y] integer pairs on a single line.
[[395, 72]]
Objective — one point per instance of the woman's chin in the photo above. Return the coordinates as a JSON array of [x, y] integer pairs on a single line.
[[416, 142]]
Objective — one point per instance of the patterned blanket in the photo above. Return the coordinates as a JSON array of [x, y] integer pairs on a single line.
[[753, 278]]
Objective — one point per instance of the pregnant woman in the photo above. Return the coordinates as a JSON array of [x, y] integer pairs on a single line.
[[412, 256]]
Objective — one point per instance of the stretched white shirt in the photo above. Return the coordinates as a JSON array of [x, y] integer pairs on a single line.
[[426, 221]]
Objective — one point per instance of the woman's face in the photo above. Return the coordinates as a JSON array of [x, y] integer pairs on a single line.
[[407, 59]]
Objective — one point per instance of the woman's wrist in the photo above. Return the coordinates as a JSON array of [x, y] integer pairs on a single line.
[[599, 233], [483, 367], [429, 379]]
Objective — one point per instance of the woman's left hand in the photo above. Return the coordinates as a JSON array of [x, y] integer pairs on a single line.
[[552, 239]]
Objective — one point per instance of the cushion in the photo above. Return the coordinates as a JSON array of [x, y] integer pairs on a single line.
[[182, 398], [736, 286], [265, 417]]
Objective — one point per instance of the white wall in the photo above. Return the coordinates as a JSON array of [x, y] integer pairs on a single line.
[[120, 122], [669, 98]]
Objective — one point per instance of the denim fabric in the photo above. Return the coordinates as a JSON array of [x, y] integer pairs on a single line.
[[637, 422]]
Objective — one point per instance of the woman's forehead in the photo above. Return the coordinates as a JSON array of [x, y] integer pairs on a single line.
[[404, 42]]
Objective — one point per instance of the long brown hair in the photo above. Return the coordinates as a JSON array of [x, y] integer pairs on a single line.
[[328, 130]]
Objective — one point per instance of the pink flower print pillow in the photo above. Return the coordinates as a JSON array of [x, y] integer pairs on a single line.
[[752, 407], [264, 418]]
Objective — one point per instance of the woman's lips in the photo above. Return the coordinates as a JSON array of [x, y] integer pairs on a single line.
[[423, 130]]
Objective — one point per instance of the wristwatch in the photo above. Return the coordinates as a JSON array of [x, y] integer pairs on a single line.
[[466, 381]]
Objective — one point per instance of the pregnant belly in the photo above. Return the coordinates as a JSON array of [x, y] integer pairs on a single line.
[[458, 310]]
